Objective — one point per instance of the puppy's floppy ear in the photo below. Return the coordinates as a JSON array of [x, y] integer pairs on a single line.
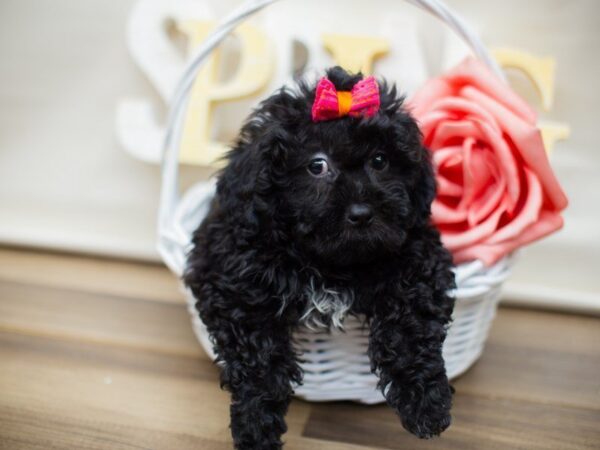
[[237, 183], [257, 163], [424, 189], [409, 134], [247, 184]]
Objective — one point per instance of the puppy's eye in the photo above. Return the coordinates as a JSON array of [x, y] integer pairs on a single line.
[[379, 161], [318, 167]]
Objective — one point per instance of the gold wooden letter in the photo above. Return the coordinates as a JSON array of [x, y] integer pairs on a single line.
[[541, 73], [355, 53], [253, 74]]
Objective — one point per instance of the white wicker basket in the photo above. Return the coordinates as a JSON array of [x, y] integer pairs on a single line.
[[336, 366]]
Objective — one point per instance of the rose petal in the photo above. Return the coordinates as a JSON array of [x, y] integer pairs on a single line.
[[482, 178], [548, 222], [421, 101], [443, 214], [443, 156], [465, 110], [448, 164], [474, 235], [528, 142], [528, 214], [506, 162], [472, 72], [490, 197], [468, 175], [429, 122], [448, 129], [448, 188]]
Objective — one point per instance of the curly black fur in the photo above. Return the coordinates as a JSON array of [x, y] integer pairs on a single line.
[[274, 230]]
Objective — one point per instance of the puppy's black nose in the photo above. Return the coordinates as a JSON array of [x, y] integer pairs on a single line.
[[359, 214]]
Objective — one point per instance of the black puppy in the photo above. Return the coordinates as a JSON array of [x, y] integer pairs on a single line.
[[304, 209]]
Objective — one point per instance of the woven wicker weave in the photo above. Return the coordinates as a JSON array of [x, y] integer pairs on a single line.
[[335, 365]]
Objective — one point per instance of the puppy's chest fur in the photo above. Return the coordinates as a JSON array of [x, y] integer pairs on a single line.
[[325, 307]]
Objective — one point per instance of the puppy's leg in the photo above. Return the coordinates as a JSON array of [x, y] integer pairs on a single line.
[[406, 337], [259, 366]]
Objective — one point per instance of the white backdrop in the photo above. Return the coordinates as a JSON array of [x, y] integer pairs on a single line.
[[66, 184]]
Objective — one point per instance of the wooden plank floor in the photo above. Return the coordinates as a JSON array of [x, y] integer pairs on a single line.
[[98, 354]]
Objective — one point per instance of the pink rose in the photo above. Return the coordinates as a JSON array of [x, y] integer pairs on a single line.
[[496, 189]]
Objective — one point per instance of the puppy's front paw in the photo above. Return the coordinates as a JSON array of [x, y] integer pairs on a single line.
[[257, 426], [428, 415], [429, 424]]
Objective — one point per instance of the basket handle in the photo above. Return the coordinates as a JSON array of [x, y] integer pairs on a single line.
[[168, 239]]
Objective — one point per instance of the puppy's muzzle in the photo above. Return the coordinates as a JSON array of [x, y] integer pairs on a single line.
[[359, 215]]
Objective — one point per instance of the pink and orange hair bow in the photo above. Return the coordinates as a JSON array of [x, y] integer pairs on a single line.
[[362, 100]]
